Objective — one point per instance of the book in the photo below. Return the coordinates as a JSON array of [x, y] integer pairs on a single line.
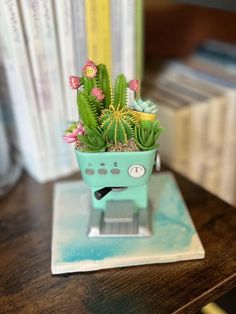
[[139, 39], [79, 34], [97, 14], [174, 237], [128, 38], [215, 124], [67, 57], [219, 149], [22, 92], [116, 37], [39, 28]]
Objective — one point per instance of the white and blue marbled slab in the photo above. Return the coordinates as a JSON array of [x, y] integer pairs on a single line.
[[174, 236]]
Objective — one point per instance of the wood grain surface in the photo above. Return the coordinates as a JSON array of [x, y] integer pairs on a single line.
[[27, 285]]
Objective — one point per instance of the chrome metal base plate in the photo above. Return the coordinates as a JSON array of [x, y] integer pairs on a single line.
[[120, 219]]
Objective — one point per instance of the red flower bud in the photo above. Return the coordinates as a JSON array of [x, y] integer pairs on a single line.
[[134, 85], [75, 82], [97, 92]]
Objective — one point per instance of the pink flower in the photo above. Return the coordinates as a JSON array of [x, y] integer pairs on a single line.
[[97, 92], [72, 133], [134, 85], [75, 82], [81, 129], [90, 69]]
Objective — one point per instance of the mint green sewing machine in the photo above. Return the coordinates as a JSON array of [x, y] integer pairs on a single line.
[[119, 191]]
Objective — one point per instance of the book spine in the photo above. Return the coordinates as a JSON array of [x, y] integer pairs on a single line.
[[64, 26], [199, 116], [79, 34], [22, 92], [182, 140], [139, 39], [63, 157], [128, 38], [214, 143], [116, 25], [33, 27], [98, 31], [167, 115], [64, 20]]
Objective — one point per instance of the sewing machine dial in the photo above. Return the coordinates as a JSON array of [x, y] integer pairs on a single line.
[[136, 171]]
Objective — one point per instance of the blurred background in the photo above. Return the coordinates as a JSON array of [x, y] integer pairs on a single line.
[[184, 52]]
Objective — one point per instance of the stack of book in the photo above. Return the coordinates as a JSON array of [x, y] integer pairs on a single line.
[[43, 42], [197, 108]]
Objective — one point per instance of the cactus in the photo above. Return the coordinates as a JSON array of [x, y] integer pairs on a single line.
[[88, 84], [93, 140], [120, 91], [118, 124], [144, 106], [146, 134], [103, 82], [87, 110]]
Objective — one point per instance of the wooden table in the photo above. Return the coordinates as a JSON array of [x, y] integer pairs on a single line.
[[27, 285]]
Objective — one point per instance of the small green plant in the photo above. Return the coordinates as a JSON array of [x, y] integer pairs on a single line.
[[117, 124], [93, 141], [144, 106], [146, 134]]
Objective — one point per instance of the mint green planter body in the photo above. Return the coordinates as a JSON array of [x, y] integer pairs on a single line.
[[118, 169]]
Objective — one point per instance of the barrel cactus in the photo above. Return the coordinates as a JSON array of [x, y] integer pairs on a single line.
[[118, 124]]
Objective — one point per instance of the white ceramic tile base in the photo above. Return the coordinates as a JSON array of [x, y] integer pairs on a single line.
[[174, 237]]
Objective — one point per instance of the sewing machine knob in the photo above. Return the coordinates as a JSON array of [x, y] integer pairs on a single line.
[[136, 171]]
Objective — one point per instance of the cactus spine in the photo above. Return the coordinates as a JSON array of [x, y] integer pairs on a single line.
[[117, 124], [120, 91], [103, 81], [87, 110]]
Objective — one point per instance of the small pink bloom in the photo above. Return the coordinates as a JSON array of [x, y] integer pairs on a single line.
[[69, 140], [97, 92], [134, 85], [90, 69], [71, 134], [75, 82], [80, 129]]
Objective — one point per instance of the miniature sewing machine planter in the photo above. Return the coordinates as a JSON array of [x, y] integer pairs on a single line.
[[119, 191], [116, 146]]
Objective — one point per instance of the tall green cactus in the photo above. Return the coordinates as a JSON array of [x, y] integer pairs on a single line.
[[120, 91], [87, 110], [88, 84], [117, 124], [103, 81]]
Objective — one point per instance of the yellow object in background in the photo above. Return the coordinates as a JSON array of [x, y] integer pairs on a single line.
[[98, 31], [212, 308]]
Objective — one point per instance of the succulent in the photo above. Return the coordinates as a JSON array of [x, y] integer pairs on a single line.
[[144, 106], [146, 134], [93, 140], [72, 132], [88, 110], [117, 124]]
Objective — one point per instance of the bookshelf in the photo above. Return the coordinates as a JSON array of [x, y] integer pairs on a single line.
[[194, 84]]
